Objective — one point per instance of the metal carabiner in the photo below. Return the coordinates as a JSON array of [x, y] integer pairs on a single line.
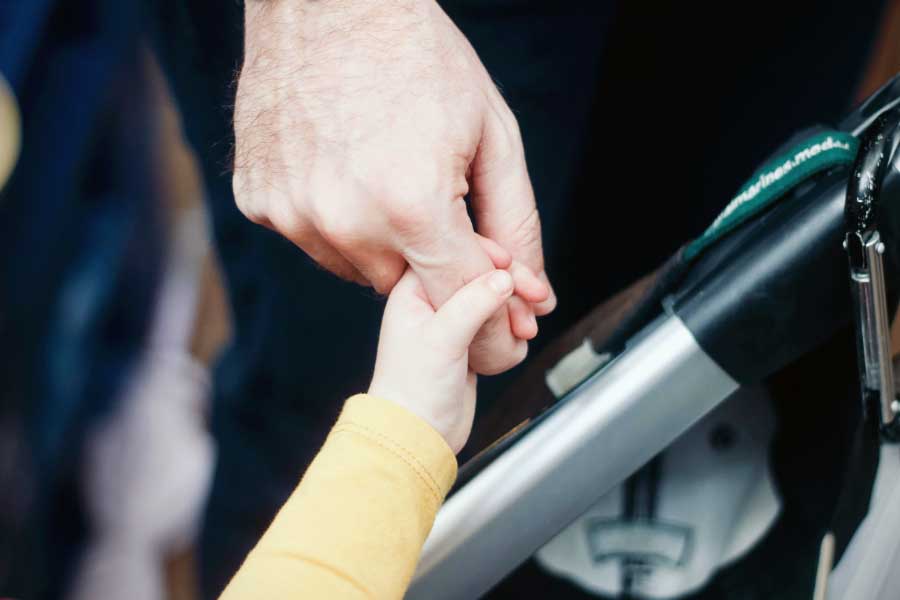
[[865, 251]]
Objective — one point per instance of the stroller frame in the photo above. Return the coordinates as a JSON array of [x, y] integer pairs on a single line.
[[664, 381]]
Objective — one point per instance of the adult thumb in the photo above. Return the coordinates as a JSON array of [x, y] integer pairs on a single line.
[[502, 196]]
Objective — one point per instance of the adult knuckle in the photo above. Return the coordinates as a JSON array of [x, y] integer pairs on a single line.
[[338, 225], [247, 203], [386, 276], [405, 212]]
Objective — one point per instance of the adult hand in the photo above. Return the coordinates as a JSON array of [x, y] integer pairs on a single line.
[[360, 126]]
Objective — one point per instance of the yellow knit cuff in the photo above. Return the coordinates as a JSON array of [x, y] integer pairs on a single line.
[[413, 440]]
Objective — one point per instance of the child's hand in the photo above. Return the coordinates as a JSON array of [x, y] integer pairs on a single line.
[[423, 354]]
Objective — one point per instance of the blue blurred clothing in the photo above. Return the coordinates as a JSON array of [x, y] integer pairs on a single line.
[[79, 251]]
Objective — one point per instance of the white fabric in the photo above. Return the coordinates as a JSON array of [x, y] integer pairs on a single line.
[[715, 501], [870, 566], [148, 464], [148, 467], [574, 368]]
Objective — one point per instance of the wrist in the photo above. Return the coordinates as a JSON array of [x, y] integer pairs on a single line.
[[444, 423]]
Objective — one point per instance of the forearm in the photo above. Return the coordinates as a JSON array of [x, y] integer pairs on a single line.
[[355, 525]]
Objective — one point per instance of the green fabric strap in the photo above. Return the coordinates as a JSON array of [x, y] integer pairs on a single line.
[[815, 154]]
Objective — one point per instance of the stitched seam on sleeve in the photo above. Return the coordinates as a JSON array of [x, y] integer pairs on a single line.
[[399, 451], [409, 454], [292, 556], [393, 447]]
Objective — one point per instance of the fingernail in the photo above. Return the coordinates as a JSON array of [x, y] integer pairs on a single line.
[[501, 282]]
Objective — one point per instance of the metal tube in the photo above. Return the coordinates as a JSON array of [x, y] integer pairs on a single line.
[[881, 326], [612, 424], [872, 323]]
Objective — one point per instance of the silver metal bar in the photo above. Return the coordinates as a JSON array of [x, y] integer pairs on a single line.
[[610, 426], [823, 569], [873, 328]]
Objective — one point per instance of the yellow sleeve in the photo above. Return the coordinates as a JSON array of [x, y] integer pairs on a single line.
[[355, 525]]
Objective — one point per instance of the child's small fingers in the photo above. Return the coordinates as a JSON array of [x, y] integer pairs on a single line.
[[521, 319], [528, 285], [459, 318], [498, 255]]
